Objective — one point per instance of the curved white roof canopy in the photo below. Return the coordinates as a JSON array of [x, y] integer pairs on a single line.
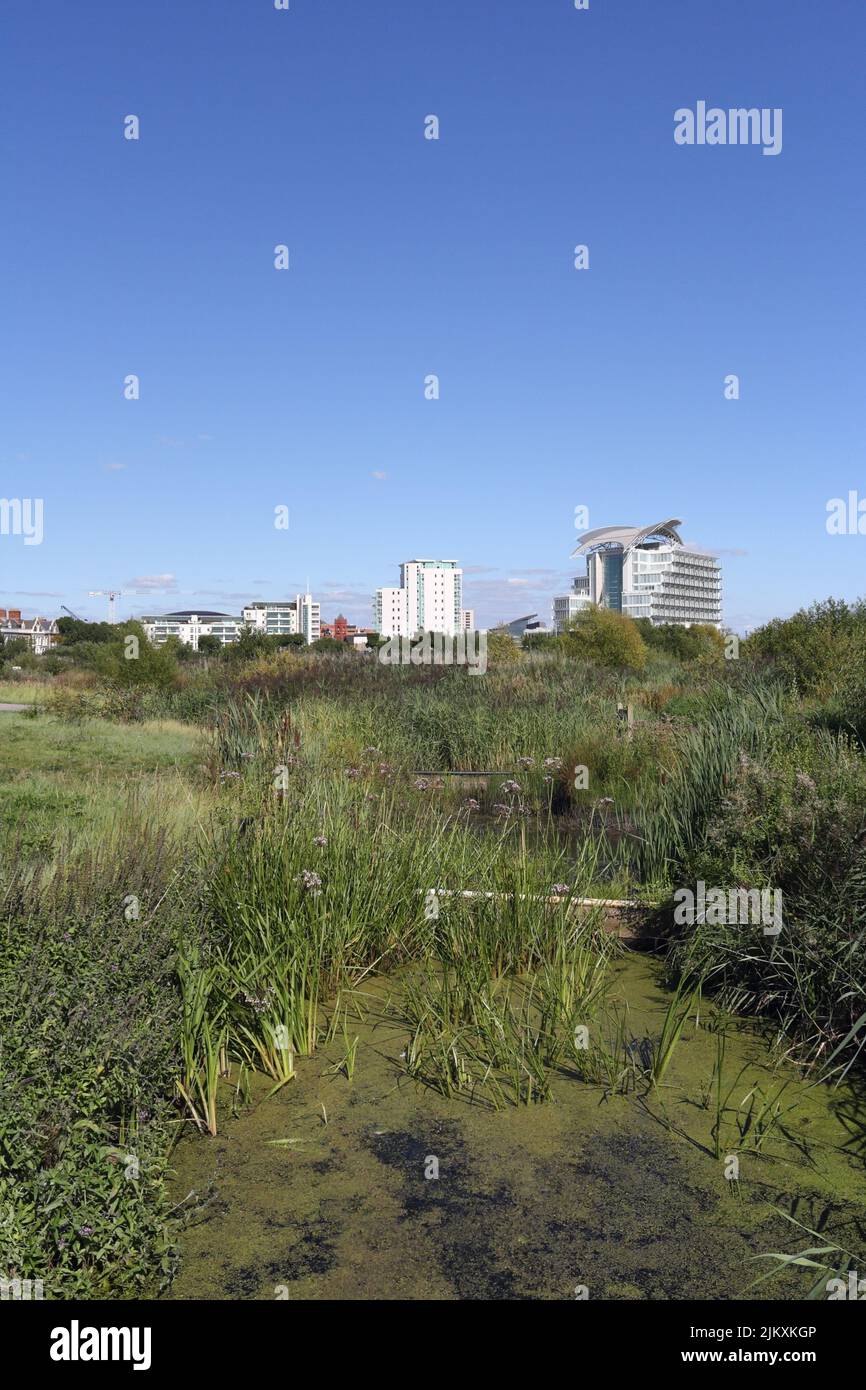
[[625, 538]]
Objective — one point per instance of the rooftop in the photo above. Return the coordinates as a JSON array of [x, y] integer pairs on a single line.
[[626, 538], [183, 615]]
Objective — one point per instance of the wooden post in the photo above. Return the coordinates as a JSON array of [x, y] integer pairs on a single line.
[[625, 715]]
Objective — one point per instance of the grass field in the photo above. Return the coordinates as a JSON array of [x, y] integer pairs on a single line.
[[62, 783], [22, 692]]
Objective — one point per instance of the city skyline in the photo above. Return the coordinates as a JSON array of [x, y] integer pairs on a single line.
[[242, 610], [437, 371]]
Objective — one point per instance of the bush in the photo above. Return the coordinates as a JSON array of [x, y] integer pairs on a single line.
[[816, 649], [502, 650], [608, 638], [89, 1019], [794, 822]]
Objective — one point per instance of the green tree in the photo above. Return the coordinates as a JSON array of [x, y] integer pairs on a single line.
[[541, 642], [75, 630], [131, 660], [815, 648], [607, 638], [502, 650], [330, 644], [700, 641], [248, 647], [14, 648]]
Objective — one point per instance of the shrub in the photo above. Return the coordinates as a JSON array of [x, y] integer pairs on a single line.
[[608, 638]]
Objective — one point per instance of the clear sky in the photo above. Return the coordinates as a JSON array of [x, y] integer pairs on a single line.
[[409, 257]]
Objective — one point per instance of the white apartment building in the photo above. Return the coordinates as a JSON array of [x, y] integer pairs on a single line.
[[566, 607], [188, 627], [428, 599], [648, 573], [301, 614], [467, 619], [298, 615], [390, 615]]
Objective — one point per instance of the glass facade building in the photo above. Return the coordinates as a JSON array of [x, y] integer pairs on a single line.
[[647, 572]]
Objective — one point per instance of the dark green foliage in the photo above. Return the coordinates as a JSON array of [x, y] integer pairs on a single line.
[[816, 648], [88, 1018], [74, 631], [683, 643], [330, 644]]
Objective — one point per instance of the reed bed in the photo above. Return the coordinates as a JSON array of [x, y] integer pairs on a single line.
[[292, 852]]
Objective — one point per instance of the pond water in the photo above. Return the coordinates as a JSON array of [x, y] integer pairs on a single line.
[[326, 1190]]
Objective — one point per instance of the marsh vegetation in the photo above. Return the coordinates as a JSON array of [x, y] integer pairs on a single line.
[[236, 942]]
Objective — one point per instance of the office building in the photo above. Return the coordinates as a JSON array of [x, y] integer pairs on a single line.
[[647, 572]]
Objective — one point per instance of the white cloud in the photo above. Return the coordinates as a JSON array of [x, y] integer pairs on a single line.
[[153, 582]]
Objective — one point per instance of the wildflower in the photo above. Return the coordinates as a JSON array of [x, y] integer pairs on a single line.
[[547, 779], [353, 772], [553, 764], [526, 762], [501, 810], [511, 788], [85, 1230], [310, 881], [225, 776], [560, 890], [421, 784], [257, 1003], [370, 752], [471, 804], [804, 780], [385, 769], [321, 841]]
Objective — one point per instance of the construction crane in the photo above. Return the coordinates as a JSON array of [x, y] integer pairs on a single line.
[[72, 615], [111, 595]]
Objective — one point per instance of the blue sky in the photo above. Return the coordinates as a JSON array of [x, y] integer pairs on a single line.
[[409, 257]]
